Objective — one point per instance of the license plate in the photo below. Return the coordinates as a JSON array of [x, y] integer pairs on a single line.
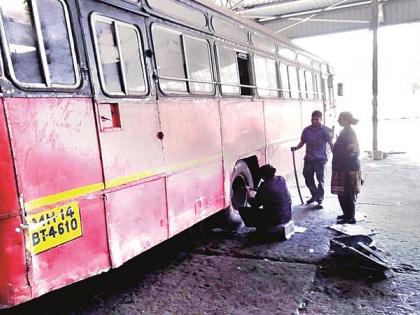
[[53, 227]]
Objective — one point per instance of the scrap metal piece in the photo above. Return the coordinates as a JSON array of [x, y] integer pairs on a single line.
[[362, 248]]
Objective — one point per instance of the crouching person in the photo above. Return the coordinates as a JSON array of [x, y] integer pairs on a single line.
[[271, 207]]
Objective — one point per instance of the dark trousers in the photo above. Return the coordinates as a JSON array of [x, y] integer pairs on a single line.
[[348, 199], [254, 217], [317, 168]]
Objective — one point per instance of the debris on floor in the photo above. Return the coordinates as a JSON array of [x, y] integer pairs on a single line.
[[300, 229], [351, 229], [359, 252]]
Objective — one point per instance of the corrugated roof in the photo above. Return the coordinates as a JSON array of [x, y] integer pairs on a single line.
[[298, 18]]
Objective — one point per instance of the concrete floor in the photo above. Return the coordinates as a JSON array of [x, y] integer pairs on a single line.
[[232, 273]]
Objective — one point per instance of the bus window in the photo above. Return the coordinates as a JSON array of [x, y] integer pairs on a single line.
[[244, 73], [272, 77], [319, 86], [261, 76], [228, 69], [235, 32], [197, 53], [179, 11], [302, 84], [57, 43], [293, 81], [266, 76], [263, 42], [309, 85], [315, 82], [39, 46], [119, 54], [169, 59], [284, 77], [132, 60]]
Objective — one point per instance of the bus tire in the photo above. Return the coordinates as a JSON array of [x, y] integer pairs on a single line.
[[241, 176]]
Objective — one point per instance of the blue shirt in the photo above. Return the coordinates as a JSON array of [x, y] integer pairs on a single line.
[[316, 139]]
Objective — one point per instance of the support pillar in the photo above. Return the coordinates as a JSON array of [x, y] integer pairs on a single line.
[[376, 154]]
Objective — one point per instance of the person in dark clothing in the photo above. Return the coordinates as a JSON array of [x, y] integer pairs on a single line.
[[346, 173], [271, 204], [316, 136]]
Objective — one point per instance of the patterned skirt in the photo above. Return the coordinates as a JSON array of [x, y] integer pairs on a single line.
[[340, 178]]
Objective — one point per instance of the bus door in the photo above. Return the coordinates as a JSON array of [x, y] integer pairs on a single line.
[[190, 120], [128, 128]]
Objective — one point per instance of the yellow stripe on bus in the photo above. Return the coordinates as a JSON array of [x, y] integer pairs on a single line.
[[129, 178], [94, 188], [62, 196]]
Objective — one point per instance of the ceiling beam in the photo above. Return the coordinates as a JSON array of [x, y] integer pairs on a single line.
[[345, 19]]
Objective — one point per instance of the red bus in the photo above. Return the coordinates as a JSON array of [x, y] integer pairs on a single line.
[[124, 122]]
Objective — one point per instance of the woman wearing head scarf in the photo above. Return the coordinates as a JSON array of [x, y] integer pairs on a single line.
[[346, 174]]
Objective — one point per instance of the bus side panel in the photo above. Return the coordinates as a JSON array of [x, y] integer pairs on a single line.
[[57, 161], [78, 259], [194, 195], [14, 288], [283, 129], [133, 167], [137, 220], [243, 135], [193, 157]]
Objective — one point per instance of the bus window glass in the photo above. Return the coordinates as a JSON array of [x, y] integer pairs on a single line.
[[319, 86], [293, 81], [180, 12], [263, 42], [266, 76], [109, 57], [284, 81], [309, 84], [302, 84], [40, 45], [199, 67], [286, 52], [133, 60], [21, 39], [261, 76], [324, 89], [57, 42], [304, 59], [329, 91], [315, 87], [272, 77], [228, 68], [169, 58], [225, 29]]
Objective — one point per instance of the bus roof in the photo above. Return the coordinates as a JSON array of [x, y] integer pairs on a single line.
[[258, 27]]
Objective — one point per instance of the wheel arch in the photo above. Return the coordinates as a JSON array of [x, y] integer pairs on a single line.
[[253, 166]]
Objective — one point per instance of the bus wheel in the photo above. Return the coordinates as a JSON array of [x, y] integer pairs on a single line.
[[241, 177]]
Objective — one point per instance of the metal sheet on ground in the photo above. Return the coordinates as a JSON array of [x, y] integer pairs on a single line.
[[351, 229]]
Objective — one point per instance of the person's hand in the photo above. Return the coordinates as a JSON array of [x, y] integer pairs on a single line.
[[250, 192], [247, 189], [293, 149]]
